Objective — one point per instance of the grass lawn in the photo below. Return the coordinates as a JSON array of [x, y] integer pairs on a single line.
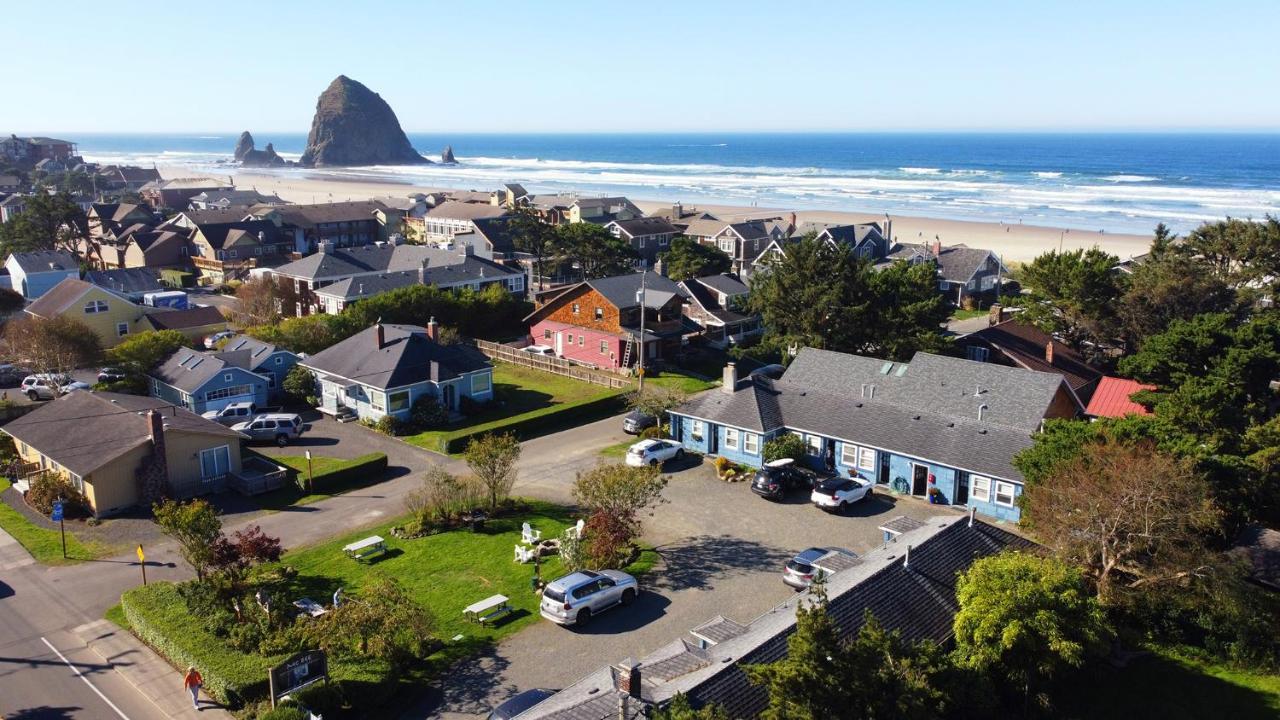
[[291, 495], [46, 545], [525, 394], [675, 380], [619, 451], [1174, 684], [961, 314], [115, 614]]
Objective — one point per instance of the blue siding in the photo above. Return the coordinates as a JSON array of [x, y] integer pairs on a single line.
[[277, 371], [199, 403], [990, 507], [37, 284]]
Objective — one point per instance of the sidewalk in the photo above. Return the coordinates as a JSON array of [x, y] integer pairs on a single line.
[[146, 671]]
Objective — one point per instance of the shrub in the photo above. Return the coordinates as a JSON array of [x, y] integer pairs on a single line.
[[653, 432], [785, 446], [48, 487], [441, 499], [428, 414], [284, 712], [300, 384], [573, 552]]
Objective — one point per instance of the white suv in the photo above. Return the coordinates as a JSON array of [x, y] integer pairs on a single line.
[[653, 452], [838, 493], [574, 598], [44, 387]]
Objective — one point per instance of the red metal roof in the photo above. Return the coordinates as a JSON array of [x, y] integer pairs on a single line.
[[1111, 399]]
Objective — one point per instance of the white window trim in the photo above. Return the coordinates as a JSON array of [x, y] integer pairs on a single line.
[[751, 443], [731, 438], [1001, 484], [813, 444], [849, 454], [870, 455], [696, 430], [488, 383], [985, 494], [378, 400]]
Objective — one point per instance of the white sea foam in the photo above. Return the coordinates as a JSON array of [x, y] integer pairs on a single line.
[[921, 170], [1047, 175], [1129, 178]]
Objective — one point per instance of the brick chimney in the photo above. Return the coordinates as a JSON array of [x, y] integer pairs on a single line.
[[1048, 352], [937, 248], [433, 330], [996, 314], [628, 673], [153, 475], [155, 427], [730, 381], [422, 271], [380, 333]]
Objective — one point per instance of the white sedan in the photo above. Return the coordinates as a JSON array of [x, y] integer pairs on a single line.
[[653, 452], [839, 493]]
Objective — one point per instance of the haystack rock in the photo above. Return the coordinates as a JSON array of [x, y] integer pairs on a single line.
[[355, 126], [248, 156], [243, 145], [447, 157]]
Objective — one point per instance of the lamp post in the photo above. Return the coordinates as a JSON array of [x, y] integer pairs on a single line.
[[640, 296]]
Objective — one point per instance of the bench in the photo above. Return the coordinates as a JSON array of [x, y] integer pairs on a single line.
[[488, 609], [369, 547]]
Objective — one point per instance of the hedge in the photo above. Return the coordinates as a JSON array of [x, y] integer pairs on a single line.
[[539, 422], [158, 615]]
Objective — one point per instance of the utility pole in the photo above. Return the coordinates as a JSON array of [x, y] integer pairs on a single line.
[[640, 296]]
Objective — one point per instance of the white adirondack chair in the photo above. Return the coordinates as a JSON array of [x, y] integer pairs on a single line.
[[524, 554], [575, 532], [529, 535]]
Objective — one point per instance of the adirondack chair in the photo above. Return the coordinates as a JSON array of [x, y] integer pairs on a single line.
[[575, 532], [524, 554], [529, 535]]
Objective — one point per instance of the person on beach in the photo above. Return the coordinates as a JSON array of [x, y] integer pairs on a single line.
[[192, 682]]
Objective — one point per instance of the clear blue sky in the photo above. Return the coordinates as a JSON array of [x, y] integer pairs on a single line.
[[636, 66]]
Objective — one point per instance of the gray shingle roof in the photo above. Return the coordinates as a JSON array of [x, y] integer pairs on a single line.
[[645, 226], [956, 263], [309, 216], [373, 259], [257, 350], [188, 370], [126, 280], [407, 356], [1013, 397], [470, 269], [620, 290], [46, 261], [453, 210], [725, 283], [82, 430]]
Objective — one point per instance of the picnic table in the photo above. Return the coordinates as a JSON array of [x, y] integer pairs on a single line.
[[366, 548], [310, 607], [488, 609]]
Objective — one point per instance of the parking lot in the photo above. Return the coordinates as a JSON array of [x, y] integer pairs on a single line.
[[722, 552]]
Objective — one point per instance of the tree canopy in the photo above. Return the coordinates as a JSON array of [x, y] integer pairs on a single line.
[[55, 345], [1073, 295], [48, 222], [593, 250], [688, 258]]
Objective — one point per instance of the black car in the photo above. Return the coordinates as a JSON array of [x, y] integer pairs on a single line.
[[520, 703], [110, 374], [779, 477], [634, 422], [11, 376]]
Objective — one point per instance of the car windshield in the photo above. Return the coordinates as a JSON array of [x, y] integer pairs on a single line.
[[553, 594], [800, 567]]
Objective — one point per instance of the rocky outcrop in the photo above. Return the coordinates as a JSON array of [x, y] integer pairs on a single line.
[[243, 145], [447, 157], [354, 126], [249, 156]]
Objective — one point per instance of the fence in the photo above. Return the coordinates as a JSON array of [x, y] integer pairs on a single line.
[[547, 363]]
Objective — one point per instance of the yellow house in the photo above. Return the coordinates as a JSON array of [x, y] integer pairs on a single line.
[[111, 316], [119, 439]]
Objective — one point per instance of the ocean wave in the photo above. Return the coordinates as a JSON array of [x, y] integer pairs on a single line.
[[1047, 175], [921, 170], [1129, 178], [691, 145]]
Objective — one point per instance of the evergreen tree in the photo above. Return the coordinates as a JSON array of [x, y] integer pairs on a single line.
[[689, 258]]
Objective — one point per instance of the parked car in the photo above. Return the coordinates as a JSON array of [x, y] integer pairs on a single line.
[[839, 493], [518, 704], [236, 412], [653, 452], [74, 385], [278, 428], [634, 422], [539, 350], [778, 477], [815, 564], [212, 341], [772, 372], [575, 598], [110, 374], [11, 376], [43, 386]]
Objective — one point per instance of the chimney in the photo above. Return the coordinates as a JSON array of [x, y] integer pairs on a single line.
[[677, 211], [871, 392], [906, 559], [324, 246], [937, 248], [433, 330], [381, 334], [996, 316], [1048, 351], [465, 249], [730, 381], [422, 271], [792, 228], [629, 677]]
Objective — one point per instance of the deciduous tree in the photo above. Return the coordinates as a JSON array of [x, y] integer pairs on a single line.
[[55, 345], [616, 496], [655, 400], [138, 353], [196, 528], [492, 458], [262, 301], [300, 383], [382, 620]]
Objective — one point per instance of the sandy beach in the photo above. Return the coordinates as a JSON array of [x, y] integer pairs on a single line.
[[1015, 242]]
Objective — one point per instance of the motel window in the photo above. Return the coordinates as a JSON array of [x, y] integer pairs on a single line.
[[731, 438], [398, 401], [695, 431], [576, 307], [848, 454], [604, 347], [228, 392], [815, 444], [582, 340], [1004, 494], [95, 306], [122, 329], [866, 459], [480, 383], [751, 443], [546, 334], [979, 488], [599, 313], [377, 401], [977, 353]]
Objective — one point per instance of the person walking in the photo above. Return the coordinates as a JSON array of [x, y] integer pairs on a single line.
[[192, 682]]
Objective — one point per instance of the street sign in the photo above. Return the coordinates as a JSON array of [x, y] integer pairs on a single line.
[[141, 557], [299, 671], [56, 515], [142, 563]]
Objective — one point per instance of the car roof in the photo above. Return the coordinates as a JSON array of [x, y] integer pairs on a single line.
[[573, 579], [646, 443], [811, 554], [780, 462]]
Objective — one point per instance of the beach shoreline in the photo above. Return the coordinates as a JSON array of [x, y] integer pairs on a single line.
[[1015, 243]]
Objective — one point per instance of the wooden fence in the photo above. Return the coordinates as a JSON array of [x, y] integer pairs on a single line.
[[547, 363]]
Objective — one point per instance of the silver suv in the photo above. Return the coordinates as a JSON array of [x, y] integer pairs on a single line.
[[575, 598], [279, 429], [236, 412], [43, 387]]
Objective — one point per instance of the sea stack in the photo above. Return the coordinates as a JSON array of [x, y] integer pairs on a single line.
[[248, 156], [243, 145], [355, 126], [447, 157]]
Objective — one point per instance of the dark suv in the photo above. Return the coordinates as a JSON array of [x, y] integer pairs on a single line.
[[777, 478]]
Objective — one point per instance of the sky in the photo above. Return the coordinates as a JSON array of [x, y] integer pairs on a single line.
[[603, 66]]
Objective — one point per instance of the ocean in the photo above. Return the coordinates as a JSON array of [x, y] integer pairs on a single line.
[[1115, 182]]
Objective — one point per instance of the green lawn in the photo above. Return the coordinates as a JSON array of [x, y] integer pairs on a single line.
[[525, 395], [676, 380], [1174, 684], [618, 451], [291, 495], [961, 314], [46, 545]]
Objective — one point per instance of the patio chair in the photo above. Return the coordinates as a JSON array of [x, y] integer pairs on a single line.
[[575, 532], [528, 535], [524, 554]]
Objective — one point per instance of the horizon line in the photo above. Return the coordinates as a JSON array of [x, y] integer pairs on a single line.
[[1119, 130]]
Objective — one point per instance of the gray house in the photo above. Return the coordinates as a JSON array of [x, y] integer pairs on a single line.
[[383, 370], [260, 358], [35, 273], [203, 381], [962, 270]]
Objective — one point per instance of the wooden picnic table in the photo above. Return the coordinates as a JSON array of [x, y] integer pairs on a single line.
[[488, 609], [366, 548]]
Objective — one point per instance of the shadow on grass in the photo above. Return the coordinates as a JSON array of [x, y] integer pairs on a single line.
[[696, 562]]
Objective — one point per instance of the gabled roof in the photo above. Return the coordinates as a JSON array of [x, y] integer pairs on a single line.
[[126, 280], [46, 261], [956, 263], [454, 210], [705, 227], [470, 269], [1111, 398], [406, 356], [1013, 397], [63, 296], [1024, 344], [645, 226], [164, 319], [371, 259], [1260, 546], [225, 234], [189, 370], [497, 231], [705, 292], [726, 283], [257, 351], [83, 431], [309, 216]]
